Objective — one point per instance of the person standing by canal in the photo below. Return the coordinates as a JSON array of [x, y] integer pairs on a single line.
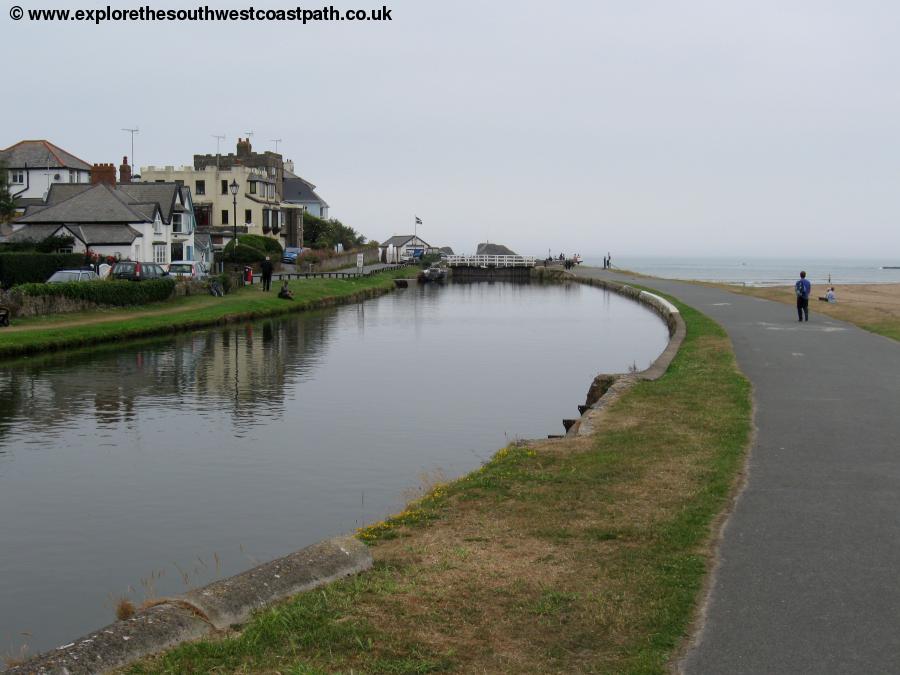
[[802, 288], [267, 273]]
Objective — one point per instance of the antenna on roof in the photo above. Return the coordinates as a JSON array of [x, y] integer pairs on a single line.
[[132, 132], [219, 139], [276, 141], [249, 134]]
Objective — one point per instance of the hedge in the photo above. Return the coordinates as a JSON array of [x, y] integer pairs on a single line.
[[118, 293], [245, 253], [28, 267], [265, 244]]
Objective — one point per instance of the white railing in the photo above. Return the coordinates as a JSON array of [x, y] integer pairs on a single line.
[[490, 260]]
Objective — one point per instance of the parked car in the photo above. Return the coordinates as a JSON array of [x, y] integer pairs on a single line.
[[290, 254], [191, 269], [64, 276], [138, 271]]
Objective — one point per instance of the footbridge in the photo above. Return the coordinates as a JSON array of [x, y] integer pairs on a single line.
[[490, 267]]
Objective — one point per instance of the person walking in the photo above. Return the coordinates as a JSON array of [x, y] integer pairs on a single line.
[[802, 288], [267, 273]]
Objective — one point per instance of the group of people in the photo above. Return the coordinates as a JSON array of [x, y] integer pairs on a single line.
[[802, 288], [607, 261], [267, 268]]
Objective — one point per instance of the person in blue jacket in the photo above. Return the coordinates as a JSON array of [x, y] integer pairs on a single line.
[[802, 288]]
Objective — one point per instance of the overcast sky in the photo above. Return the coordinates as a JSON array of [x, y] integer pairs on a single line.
[[639, 127]]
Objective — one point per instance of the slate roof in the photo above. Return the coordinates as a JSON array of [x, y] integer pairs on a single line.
[[494, 249], [37, 154], [104, 234], [99, 204], [89, 234], [129, 203], [152, 193], [33, 233], [301, 191], [400, 239]]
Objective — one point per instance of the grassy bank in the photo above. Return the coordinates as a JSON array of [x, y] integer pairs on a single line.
[[873, 307], [575, 555], [46, 333]]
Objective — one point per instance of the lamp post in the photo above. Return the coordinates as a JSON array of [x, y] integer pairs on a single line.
[[234, 187], [302, 211]]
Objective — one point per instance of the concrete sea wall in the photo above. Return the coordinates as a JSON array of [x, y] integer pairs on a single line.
[[202, 612]]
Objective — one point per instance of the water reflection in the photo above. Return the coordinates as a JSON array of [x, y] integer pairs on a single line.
[[249, 442]]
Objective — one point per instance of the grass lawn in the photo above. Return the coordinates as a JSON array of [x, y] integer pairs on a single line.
[[564, 556], [45, 333]]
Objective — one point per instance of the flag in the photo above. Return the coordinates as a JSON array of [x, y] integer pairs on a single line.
[[418, 220]]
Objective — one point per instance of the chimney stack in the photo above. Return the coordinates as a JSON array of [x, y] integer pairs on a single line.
[[103, 173], [124, 172], [243, 147]]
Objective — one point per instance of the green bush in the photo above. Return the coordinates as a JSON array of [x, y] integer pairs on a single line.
[[118, 293], [244, 254], [265, 244], [426, 260], [27, 267]]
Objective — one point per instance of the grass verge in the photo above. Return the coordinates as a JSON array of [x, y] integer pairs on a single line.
[[41, 334], [576, 555]]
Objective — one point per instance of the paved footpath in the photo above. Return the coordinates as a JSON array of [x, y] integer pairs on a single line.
[[809, 573]]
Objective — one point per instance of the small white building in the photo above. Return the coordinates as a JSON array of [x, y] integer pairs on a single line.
[[403, 247], [34, 166]]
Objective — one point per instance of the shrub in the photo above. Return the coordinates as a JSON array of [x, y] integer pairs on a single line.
[[27, 267], [244, 254], [426, 260], [118, 293], [265, 244]]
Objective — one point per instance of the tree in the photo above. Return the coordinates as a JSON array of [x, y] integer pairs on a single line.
[[7, 203]]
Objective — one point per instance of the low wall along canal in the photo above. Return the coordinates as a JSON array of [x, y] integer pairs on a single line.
[[146, 470]]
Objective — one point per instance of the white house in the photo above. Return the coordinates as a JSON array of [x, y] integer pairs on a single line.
[[402, 247], [34, 166], [149, 222]]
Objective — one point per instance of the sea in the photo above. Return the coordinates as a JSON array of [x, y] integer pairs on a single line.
[[761, 271]]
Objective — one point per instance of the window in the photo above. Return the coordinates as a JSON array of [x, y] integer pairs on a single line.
[[17, 177], [179, 182], [176, 223], [200, 187], [73, 177], [252, 187], [157, 226], [224, 187], [224, 216], [248, 216], [159, 253]]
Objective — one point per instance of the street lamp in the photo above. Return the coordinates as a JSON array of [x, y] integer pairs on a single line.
[[234, 187]]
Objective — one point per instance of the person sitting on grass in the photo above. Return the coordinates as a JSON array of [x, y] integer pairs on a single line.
[[285, 293], [829, 296]]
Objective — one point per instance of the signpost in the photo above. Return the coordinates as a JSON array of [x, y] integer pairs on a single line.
[[359, 263]]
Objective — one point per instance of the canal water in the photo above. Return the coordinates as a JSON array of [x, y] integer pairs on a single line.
[[145, 469]]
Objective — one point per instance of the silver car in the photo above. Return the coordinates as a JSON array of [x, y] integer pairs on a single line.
[[65, 276], [192, 269]]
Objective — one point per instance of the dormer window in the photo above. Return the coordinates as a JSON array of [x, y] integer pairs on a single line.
[[157, 226], [252, 187]]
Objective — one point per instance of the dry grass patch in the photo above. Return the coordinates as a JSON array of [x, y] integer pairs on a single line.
[[577, 555]]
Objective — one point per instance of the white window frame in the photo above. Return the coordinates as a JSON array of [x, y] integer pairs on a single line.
[[17, 177], [160, 252], [157, 226], [177, 224]]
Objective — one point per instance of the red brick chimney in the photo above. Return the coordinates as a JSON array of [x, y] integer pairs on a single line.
[[124, 172], [103, 173]]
